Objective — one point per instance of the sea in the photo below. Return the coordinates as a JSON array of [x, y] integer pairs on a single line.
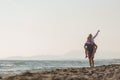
[[13, 67]]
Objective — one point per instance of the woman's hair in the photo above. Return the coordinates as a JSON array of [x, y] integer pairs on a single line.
[[89, 37]]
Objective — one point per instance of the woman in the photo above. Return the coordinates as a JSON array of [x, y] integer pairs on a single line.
[[90, 48]]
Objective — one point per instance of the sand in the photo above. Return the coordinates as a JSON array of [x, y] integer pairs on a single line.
[[104, 72]]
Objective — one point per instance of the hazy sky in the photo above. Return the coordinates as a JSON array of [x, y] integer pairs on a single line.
[[57, 27]]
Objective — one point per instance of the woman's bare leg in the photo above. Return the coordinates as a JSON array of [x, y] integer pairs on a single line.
[[90, 62]]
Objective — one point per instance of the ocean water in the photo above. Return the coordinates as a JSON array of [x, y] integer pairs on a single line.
[[11, 67]]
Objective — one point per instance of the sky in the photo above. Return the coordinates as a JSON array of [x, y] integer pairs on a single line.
[[58, 27]]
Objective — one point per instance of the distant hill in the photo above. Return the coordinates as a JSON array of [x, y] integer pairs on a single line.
[[73, 55]]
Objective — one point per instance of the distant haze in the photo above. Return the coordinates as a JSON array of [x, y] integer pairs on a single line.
[[58, 27]]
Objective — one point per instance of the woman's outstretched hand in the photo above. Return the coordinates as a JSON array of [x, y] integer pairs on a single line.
[[98, 30]]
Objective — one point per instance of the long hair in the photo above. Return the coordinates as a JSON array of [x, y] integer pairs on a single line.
[[89, 37]]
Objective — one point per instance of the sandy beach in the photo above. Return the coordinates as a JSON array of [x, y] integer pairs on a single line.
[[104, 72]]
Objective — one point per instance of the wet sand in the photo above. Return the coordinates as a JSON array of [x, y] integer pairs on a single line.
[[104, 72]]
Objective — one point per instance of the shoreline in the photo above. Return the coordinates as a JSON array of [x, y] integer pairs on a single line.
[[104, 72]]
